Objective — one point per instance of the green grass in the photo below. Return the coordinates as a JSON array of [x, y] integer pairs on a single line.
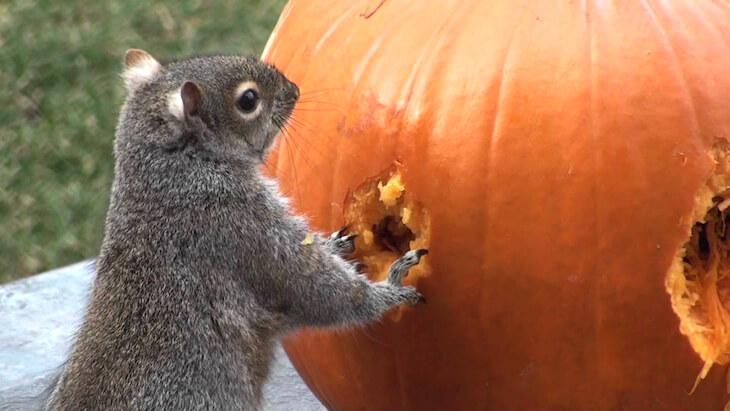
[[60, 94]]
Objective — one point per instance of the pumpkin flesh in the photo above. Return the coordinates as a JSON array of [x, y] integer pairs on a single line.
[[699, 278]]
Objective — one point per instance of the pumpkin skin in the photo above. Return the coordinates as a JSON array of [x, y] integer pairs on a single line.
[[558, 146]]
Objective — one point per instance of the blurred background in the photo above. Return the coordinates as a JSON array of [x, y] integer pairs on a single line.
[[60, 94]]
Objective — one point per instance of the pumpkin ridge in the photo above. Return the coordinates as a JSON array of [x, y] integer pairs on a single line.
[[704, 17], [591, 54], [347, 339], [677, 65], [327, 34], [434, 45]]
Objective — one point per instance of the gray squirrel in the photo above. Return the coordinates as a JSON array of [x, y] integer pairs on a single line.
[[203, 265]]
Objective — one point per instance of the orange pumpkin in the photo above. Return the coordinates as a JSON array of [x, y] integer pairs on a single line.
[[564, 162]]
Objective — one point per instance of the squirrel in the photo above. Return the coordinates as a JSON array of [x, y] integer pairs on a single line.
[[203, 264]]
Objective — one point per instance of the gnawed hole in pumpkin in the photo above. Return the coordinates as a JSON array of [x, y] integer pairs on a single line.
[[699, 279], [389, 222]]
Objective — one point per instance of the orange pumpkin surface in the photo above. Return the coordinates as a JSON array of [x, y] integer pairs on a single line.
[[565, 164]]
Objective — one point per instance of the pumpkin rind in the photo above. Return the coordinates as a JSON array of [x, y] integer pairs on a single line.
[[559, 148]]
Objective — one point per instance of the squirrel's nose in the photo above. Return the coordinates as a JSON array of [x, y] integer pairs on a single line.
[[295, 91], [291, 91]]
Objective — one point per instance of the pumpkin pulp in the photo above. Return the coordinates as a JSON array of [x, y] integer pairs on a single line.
[[389, 222], [698, 280]]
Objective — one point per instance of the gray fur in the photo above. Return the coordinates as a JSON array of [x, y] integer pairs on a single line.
[[202, 264]]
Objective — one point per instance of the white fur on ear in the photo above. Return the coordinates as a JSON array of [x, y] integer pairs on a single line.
[[139, 66], [175, 105]]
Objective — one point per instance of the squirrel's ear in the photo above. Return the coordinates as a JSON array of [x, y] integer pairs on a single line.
[[139, 66], [192, 100]]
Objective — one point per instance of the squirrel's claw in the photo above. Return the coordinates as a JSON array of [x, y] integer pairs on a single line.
[[340, 243]]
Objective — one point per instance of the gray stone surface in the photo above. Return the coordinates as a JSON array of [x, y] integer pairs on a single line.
[[39, 317]]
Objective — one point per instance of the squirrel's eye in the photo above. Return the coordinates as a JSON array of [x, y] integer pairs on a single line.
[[248, 101]]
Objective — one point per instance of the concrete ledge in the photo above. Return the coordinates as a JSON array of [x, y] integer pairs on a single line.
[[40, 315]]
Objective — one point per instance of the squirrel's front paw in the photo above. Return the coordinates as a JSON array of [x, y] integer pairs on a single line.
[[410, 296], [340, 243], [399, 269]]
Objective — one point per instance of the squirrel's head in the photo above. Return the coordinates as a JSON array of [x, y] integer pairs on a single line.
[[226, 105]]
